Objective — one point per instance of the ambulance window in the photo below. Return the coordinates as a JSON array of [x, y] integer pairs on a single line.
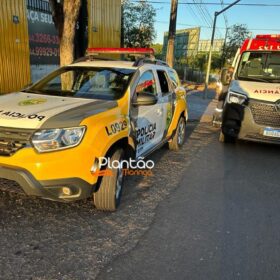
[[252, 65], [163, 80], [147, 84], [273, 65], [259, 66]]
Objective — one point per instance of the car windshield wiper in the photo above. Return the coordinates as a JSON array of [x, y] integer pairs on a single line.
[[255, 79]]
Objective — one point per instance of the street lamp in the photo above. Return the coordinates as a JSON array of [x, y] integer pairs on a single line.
[[212, 43]]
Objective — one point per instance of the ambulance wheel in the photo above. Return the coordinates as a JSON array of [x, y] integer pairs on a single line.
[[179, 138], [108, 196]]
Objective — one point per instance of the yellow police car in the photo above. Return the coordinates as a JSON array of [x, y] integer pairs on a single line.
[[54, 134]]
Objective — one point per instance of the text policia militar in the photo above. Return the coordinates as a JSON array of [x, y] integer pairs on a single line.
[[18, 115]]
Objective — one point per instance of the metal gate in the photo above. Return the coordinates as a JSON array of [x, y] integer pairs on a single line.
[[14, 46]]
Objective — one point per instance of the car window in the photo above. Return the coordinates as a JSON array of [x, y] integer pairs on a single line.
[[163, 80], [85, 82], [147, 83], [264, 66], [174, 77]]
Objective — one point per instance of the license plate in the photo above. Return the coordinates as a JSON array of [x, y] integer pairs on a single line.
[[271, 132]]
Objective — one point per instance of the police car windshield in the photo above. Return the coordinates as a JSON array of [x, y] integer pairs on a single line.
[[260, 67], [85, 82]]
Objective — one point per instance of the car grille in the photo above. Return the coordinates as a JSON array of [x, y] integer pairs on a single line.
[[13, 139], [265, 113]]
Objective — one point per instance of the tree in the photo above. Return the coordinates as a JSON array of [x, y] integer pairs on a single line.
[[65, 15], [138, 24], [158, 50], [200, 61], [238, 33], [216, 61]]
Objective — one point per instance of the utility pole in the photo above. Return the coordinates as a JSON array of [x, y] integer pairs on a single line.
[[172, 33], [212, 44], [224, 49]]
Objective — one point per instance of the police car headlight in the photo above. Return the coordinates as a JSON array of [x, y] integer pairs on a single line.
[[237, 98], [48, 140]]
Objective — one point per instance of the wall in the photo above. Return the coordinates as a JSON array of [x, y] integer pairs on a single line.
[[29, 44], [14, 46], [104, 23], [186, 43]]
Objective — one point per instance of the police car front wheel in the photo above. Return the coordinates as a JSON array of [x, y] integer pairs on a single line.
[[179, 138], [108, 196]]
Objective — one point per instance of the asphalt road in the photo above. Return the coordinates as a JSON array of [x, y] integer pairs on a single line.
[[222, 222], [209, 212]]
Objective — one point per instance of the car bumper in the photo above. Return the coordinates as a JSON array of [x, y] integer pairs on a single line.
[[252, 131], [68, 189], [48, 175]]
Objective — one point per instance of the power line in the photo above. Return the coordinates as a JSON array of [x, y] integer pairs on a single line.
[[212, 3], [194, 14], [201, 12], [205, 15], [224, 14], [190, 25]]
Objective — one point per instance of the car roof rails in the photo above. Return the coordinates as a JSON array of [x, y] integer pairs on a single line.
[[142, 61], [91, 58]]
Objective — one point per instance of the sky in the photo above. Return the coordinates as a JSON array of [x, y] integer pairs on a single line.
[[256, 18]]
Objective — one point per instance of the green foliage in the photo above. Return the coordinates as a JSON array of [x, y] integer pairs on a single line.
[[158, 50], [216, 61], [201, 59], [138, 24], [237, 34]]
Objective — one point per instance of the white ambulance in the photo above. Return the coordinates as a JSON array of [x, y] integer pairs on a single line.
[[251, 107]]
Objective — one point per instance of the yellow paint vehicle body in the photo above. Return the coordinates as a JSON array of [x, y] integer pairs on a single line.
[[52, 136]]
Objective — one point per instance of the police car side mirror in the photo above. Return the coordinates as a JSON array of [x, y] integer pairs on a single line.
[[225, 77], [144, 99]]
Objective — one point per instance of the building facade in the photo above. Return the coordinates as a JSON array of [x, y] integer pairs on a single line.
[[186, 43], [204, 45], [29, 44]]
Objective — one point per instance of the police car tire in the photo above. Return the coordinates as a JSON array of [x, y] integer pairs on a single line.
[[105, 198], [174, 144]]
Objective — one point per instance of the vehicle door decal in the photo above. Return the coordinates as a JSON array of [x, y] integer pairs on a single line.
[[116, 127]]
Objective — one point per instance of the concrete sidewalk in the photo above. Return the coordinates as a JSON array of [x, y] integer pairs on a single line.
[[201, 109]]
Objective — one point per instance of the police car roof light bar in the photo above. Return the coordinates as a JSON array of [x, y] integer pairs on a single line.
[[132, 51]]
